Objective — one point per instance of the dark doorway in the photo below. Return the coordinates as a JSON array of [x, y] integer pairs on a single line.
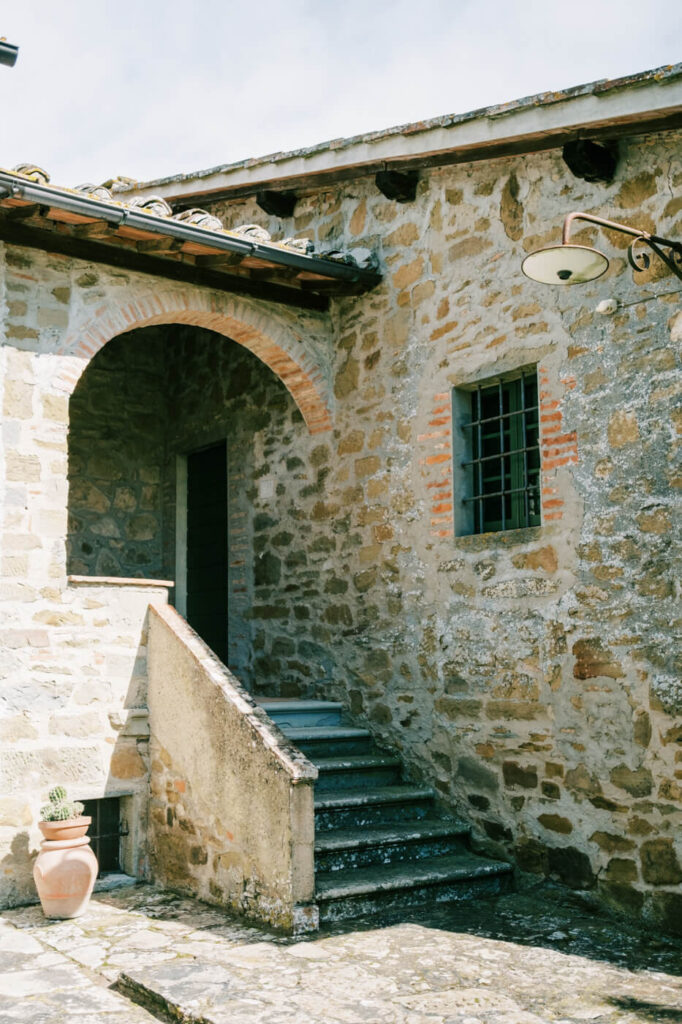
[[105, 832], [207, 546]]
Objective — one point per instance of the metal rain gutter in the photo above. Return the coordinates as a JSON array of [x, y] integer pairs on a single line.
[[44, 195]]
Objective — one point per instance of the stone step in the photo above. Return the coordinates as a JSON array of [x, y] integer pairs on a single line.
[[356, 771], [331, 741], [300, 714], [380, 844], [343, 849], [354, 808], [344, 894]]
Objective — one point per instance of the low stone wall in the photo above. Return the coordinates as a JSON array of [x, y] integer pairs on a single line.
[[231, 811]]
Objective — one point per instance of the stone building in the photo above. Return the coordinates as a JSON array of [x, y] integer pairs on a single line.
[[301, 447]]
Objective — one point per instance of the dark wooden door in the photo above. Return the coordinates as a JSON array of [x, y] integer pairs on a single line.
[[207, 546]]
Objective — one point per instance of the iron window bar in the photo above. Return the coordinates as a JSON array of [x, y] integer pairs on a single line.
[[504, 416], [503, 454], [526, 515], [480, 464], [500, 398], [498, 494]]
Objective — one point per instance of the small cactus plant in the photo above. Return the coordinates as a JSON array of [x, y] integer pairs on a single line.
[[60, 808]]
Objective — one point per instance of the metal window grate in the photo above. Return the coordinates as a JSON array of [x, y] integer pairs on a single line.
[[105, 832], [504, 469]]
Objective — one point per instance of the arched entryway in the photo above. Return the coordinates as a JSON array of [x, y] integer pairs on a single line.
[[179, 440], [294, 344]]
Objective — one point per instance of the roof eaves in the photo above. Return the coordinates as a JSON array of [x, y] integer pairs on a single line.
[[603, 88], [119, 214]]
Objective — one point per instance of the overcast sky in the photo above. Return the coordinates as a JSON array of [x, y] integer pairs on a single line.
[[157, 87]]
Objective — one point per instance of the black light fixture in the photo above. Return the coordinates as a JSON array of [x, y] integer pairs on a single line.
[[277, 204], [398, 185], [8, 53], [591, 160], [577, 264]]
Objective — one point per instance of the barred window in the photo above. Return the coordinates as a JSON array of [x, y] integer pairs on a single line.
[[501, 455], [105, 832]]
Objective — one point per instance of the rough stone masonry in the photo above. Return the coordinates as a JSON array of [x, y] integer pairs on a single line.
[[530, 675]]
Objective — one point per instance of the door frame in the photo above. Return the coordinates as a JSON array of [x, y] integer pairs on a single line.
[[181, 533]]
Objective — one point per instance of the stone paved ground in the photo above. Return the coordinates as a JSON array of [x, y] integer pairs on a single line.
[[537, 956]]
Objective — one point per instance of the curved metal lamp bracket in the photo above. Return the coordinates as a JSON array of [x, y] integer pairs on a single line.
[[638, 260], [641, 260]]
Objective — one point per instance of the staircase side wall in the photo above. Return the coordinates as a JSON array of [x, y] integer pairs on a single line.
[[231, 814]]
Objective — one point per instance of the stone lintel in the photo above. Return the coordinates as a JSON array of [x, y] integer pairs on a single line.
[[117, 581]]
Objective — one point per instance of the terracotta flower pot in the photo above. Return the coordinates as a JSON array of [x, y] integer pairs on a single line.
[[65, 869], [72, 828]]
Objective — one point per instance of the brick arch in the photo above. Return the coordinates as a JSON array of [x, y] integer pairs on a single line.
[[275, 343]]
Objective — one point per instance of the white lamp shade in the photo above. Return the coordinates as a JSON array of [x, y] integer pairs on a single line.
[[565, 264]]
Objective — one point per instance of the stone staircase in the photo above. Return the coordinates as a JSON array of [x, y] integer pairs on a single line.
[[380, 841]]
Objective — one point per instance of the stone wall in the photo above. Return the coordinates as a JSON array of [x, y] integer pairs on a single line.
[[73, 703], [278, 525], [117, 426], [73, 672], [530, 675]]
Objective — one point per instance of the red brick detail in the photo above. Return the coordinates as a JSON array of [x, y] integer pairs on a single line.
[[433, 435], [558, 448], [267, 337], [436, 465]]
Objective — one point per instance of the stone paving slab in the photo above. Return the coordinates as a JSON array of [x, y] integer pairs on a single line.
[[41, 986], [136, 927], [406, 974], [537, 957]]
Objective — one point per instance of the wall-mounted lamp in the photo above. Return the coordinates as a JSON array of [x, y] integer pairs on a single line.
[[576, 264]]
